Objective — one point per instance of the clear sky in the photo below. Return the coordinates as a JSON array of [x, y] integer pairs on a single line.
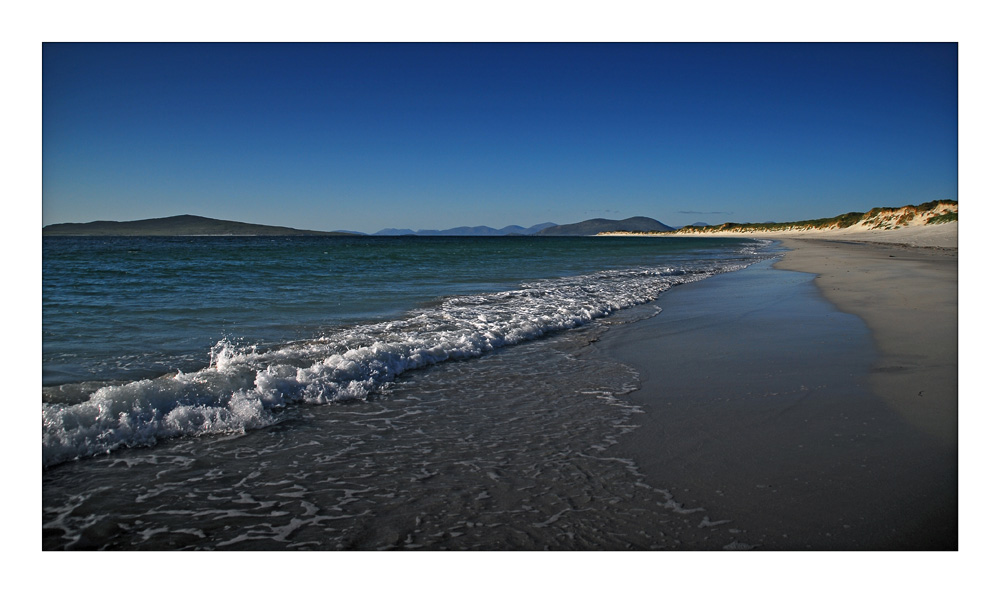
[[366, 136]]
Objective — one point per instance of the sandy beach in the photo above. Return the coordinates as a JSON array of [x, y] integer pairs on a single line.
[[816, 408]]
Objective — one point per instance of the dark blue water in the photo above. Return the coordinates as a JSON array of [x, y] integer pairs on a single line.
[[186, 378], [131, 308]]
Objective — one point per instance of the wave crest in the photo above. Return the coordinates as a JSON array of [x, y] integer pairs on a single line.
[[244, 385]]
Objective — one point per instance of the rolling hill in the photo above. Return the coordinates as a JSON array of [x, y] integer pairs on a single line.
[[636, 224], [175, 226]]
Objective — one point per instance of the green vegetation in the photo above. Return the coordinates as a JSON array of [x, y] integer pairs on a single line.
[[932, 205], [943, 218], [837, 222], [842, 221]]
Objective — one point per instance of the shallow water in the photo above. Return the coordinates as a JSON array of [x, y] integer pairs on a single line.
[[460, 416], [510, 451]]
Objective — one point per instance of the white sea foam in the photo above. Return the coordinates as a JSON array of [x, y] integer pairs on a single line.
[[244, 386]]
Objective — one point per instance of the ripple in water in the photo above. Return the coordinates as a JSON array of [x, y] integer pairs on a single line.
[[511, 451]]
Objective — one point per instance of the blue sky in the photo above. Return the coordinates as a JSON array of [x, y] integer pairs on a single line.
[[366, 136]]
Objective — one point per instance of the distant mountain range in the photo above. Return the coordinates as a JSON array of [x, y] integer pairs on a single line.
[[175, 226], [548, 229], [188, 225], [472, 231], [603, 225], [935, 212]]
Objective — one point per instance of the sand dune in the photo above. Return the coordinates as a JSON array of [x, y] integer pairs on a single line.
[[917, 226], [943, 236]]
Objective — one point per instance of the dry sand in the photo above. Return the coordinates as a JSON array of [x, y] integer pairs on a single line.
[[813, 409], [935, 235]]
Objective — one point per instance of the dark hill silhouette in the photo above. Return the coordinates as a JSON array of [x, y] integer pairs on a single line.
[[603, 225], [470, 231], [177, 226]]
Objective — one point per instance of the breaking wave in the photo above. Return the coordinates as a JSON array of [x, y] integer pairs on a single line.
[[245, 386]]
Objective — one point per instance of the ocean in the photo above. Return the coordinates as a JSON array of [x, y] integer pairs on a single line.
[[351, 393]]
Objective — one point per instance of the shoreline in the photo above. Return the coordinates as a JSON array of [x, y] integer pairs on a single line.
[[910, 304], [942, 236], [808, 403]]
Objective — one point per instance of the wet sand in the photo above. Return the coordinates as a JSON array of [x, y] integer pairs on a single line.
[[809, 404]]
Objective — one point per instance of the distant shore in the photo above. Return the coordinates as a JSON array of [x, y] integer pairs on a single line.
[[944, 236], [811, 403]]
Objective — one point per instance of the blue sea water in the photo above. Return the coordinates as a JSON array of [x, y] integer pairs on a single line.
[[212, 354], [128, 308]]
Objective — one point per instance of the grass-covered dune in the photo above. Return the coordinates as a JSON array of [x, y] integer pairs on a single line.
[[936, 212], [928, 213]]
